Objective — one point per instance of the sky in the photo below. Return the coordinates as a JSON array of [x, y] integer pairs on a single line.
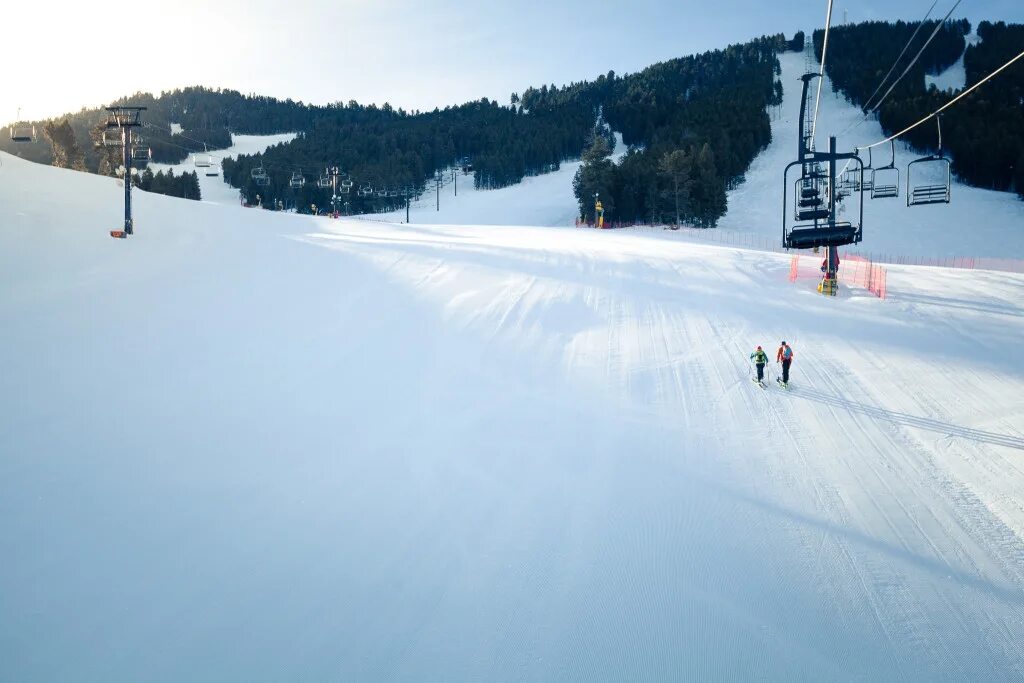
[[412, 54]]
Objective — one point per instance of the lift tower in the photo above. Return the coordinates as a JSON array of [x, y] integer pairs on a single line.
[[123, 120], [815, 205]]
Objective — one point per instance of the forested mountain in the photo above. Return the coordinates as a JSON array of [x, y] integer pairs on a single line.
[[983, 134], [710, 106], [693, 125]]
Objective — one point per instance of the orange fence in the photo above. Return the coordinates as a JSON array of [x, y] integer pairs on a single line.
[[854, 271]]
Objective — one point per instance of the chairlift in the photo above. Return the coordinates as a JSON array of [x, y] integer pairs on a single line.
[[202, 160], [865, 181], [112, 138], [259, 176], [809, 198], [885, 180], [365, 190], [141, 154], [931, 193], [392, 193], [297, 181], [382, 193], [324, 181], [22, 131]]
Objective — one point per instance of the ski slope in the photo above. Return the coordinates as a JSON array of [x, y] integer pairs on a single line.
[[976, 223], [543, 200], [954, 77], [213, 188], [245, 445]]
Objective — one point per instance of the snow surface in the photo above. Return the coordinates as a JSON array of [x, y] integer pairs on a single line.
[[955, 76], [213, 188], [544, 200], [244, 445]]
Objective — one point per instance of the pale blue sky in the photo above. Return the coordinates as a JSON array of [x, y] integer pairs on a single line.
[[411, 54]]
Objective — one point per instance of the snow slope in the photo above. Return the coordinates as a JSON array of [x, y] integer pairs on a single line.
[[213, 188], [253, 446], [955, 76], [976, 223], [545, 200]]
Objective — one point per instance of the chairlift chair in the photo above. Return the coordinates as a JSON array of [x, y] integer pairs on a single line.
[[259, 176], [382, 193], [324, 181], [112, 138], [864, 181], [815, 226], [392, 193], [931, 193], [885, 180], [297, 181], [202, 160], [809, 198], [22, 131], [141, 154]]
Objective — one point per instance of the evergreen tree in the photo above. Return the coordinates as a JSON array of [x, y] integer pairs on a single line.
[[677, 167], [66, 151]]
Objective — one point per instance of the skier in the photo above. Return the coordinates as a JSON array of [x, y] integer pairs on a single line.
[[784, 356], [760, 358]]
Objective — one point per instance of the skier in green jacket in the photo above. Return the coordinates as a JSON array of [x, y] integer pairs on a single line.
[[760, 358]]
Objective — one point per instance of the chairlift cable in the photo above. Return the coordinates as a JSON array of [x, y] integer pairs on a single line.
[[938, 27], [946, 106], [891, 69], [821, 70]]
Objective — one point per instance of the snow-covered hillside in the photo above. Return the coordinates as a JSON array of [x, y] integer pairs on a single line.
[[544, 200], [954, 77], [213, 187], [243, 445], [977, 222]]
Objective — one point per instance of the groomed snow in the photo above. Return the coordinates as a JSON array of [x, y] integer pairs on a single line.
[[244, 445]]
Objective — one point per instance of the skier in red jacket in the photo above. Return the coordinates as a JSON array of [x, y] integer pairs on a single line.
[[784, 356]]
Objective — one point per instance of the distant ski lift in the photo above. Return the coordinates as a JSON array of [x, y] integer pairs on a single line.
[[392, 193], [933, 165], [22, 131], [885, 180], [382, 193], [259, 176], [324, 181], [212, 170], [112, 138], [297, 181], [140, 153], [202, 160]]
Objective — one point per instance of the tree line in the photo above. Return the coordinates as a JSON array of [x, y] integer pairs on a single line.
[[983, 134], [692, 125]]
